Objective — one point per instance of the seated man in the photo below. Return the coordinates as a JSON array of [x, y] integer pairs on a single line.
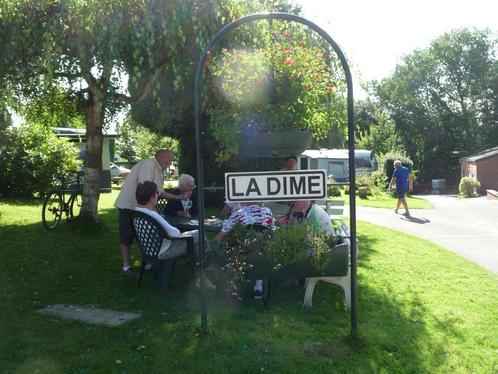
[[228, 209], [147, 194], [186, 185], [312, 214], [249, 214]]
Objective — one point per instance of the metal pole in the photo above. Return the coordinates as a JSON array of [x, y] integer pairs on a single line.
[[200, 141]]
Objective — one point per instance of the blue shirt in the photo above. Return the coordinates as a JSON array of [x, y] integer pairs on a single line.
[[401, 175]]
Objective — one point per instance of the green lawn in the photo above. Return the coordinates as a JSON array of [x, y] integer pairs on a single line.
[[385, 200], [421, 309]]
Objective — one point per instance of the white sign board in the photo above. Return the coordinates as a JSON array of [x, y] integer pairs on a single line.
[[276, 185]]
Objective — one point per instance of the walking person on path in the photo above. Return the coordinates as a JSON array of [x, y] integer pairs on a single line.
[[403, 179]]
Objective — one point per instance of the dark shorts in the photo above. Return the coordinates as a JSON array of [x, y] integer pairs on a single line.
[[126, 230], [400, 192]]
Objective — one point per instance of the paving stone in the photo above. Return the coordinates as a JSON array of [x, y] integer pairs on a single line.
[[89, 314]]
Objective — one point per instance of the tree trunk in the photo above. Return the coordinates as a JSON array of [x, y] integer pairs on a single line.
[[93, 160]]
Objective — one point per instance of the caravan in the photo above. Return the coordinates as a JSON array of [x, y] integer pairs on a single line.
[[336, 162]]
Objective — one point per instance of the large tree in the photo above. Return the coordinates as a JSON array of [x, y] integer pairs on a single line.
[[108, 54], [444, 99]]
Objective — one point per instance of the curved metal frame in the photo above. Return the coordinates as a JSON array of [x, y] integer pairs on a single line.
[[200, 141]]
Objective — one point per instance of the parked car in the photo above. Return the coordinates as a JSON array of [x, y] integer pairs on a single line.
[[118, 173]]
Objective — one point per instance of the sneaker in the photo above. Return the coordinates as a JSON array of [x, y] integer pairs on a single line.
[[130, 272], [406, 214], [148, 267], [257, 294]]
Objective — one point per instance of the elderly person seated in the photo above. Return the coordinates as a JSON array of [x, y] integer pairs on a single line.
[[147, 194], [249, 214], [186, 186]]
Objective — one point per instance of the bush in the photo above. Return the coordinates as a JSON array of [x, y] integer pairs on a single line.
[[333, 190], [32, 157], [386, 163], [378, 180], [469, 187]]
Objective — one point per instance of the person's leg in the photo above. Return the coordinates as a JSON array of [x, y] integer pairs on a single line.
[[398, 204], [125, 255], [126, 235], [405, 205], [400, 193]]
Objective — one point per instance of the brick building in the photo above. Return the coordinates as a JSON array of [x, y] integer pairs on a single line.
[[483, 166]]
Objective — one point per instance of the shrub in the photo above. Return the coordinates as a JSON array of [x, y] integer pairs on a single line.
[[32, 157], [378, 180], [333, 190], [386, 163], [469, 187]]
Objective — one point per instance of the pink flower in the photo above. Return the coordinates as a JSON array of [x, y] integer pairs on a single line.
[[289, 62]]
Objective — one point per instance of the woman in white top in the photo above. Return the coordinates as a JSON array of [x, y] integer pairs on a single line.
[[147, 194]]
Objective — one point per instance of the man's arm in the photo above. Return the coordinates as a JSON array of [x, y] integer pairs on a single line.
[[171, 196], [393, 181]]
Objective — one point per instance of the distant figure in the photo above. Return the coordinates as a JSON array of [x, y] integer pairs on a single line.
[[291, 163], [403, 180]]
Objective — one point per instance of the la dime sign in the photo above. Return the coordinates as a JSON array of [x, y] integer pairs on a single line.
[[276, 185]]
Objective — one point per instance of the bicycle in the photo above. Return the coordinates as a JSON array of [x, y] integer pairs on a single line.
[[66, 198]]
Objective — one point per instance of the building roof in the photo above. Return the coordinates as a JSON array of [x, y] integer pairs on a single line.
[[481, 155], [341, 154], [79, 133]]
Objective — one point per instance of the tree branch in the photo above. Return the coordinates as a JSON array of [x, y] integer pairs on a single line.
[[147, 87], [120, 97]]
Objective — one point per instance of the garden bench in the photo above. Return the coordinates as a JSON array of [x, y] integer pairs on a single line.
[[150, 235], [344, 280], [491, 194]]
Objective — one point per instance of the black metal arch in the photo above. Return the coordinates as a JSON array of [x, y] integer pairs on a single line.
[[200, 141]]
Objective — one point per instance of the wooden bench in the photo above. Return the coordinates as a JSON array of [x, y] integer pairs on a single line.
[[491, 194]]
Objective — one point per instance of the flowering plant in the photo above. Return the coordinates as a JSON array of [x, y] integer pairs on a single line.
[[284, 246], [291, 81]]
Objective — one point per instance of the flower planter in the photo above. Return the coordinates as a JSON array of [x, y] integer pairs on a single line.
[[260, 267], [257, 143]]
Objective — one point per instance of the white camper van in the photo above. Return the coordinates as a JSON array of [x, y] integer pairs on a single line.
[[336, 162]]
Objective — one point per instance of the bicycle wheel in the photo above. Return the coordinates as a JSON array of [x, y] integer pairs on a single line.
[[52, 210], [75, 205]]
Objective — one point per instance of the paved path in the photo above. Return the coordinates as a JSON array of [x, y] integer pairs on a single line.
[[468, 227]]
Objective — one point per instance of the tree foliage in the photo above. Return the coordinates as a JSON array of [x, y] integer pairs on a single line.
[[138, 142], [374, 130], [31, 159], [443, 99]]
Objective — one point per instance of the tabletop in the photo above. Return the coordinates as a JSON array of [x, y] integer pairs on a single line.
[[192, 223]]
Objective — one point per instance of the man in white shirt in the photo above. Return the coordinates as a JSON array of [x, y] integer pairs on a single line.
[[146, 170]]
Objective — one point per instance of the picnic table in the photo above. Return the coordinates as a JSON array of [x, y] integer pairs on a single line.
[[192, 223]]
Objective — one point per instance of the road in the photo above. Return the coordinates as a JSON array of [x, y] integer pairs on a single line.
[[468, 227]]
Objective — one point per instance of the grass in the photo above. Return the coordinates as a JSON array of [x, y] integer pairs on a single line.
[[421, 309], [385, 200]]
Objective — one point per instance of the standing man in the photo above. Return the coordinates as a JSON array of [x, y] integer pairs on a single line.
[[146, 170], [404, 181]]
